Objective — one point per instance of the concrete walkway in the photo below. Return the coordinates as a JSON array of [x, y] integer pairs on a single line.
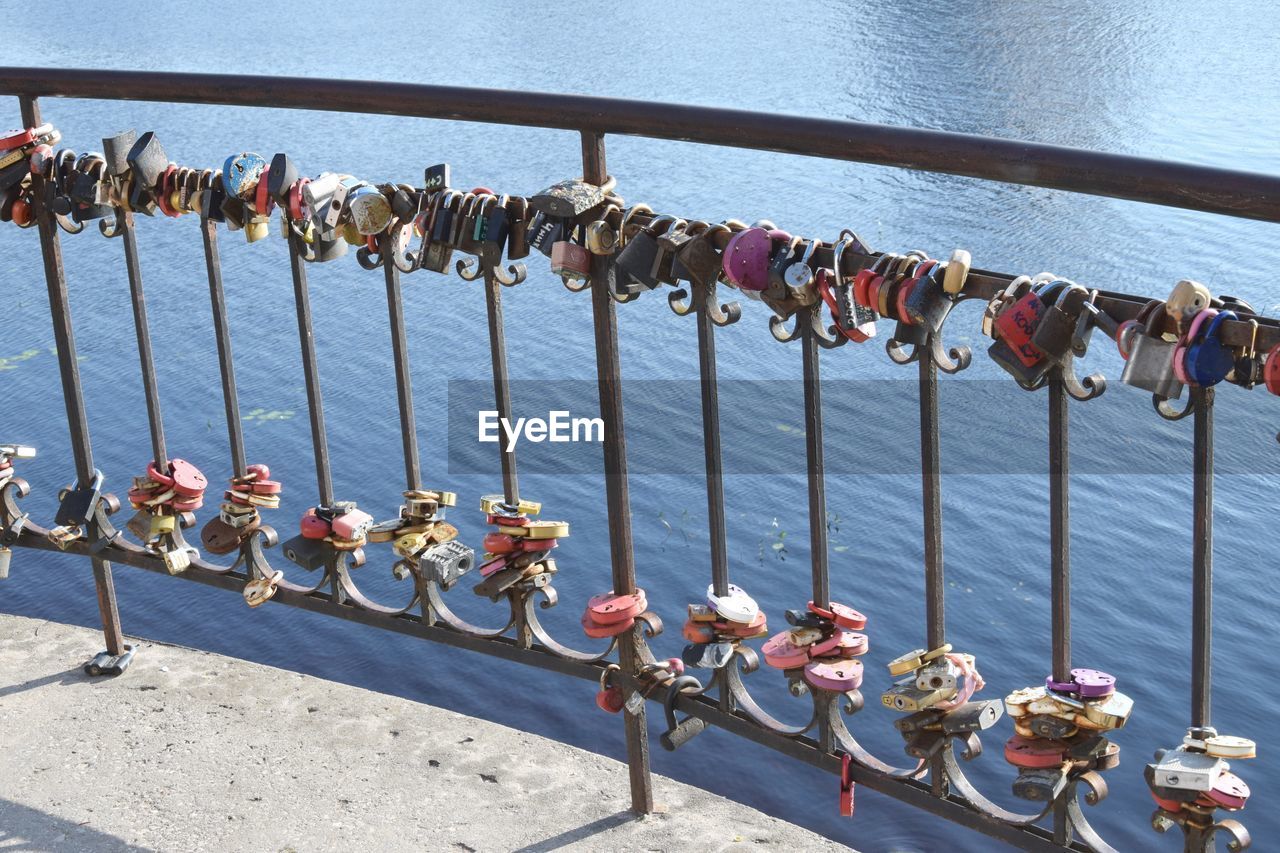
[[193, 751]]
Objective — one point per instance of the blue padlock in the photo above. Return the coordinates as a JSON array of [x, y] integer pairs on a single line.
[[1207, 361], [240, 173]]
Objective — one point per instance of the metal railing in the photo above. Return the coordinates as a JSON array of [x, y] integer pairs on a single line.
[[935, 781]]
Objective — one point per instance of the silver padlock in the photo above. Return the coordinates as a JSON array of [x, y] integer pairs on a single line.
[[905, 696], [447, 562], [1150, 366], [6, 554], [938, 675], [1189, 771], [178, 560]]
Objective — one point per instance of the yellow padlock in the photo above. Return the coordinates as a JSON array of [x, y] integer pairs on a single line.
[[956, 273], [256, 229], [538, 530], [410, 544], [493, 504], [907, 663]]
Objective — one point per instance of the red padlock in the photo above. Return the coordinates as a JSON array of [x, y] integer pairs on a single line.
[[1017, 323], [1271, 370], [500, 543], [187, 479], [313, 526], [846, 785], [1034, 752]]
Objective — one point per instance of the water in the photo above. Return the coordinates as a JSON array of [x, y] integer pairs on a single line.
[[1162, 80]]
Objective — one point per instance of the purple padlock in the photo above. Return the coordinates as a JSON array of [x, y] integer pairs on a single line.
[[1093, 683], [1060, 686], [746, 259]]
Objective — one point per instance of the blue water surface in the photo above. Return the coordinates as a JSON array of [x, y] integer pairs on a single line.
[[1174, 79]]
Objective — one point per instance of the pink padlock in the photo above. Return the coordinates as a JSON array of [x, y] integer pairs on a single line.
[[608, 608], [780, 653], [352, 525], [837, 676], [746, 259], [597, 631]]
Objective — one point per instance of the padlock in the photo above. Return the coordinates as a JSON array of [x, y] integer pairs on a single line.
[[929, 302], [570, 199], [310, 554], [116, 152], [1206, 361], [708, 655], [905, 696], [1053, 728], [925, 744], [436, 178], [1042, 786], [667, 269], [939, 675], [1111, 712], [640, 258], [1189, 771], [1017, 323], [734, 605], [1230, 792], [1053, 335], [447, 562], [609, 697], [680, 732], [147, 161], [545, 232], [1187, 299], [569, 260], [601, 236], [241, 172], [517, 228], [176, 560], [972, 717], [1150, 363], [261, 590], [369, 209], [352, 525], [493, 230]]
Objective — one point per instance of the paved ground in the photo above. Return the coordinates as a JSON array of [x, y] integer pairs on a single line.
[[212, 753]]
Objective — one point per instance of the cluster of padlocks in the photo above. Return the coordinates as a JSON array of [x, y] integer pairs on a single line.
[[1036, 323], [718, 627], [821, 647], [167, 490], [1190, 781], [1060, 728], [518, 552], [238, 517]]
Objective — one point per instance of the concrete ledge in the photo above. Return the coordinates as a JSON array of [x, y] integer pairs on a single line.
[[194, 751]]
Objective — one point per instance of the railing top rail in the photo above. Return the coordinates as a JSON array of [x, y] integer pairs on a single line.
[[1209, 189]]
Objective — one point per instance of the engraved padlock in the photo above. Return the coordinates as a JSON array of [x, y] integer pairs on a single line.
[[446, 563]]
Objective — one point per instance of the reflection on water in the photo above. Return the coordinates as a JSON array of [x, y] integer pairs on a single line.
[[1160, 79]]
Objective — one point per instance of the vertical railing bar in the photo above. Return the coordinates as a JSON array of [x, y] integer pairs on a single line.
[[404, 375], [814, 462], [69, 373], [935, 589], [631, 646], [1060, 526], [711, 446], [501, 381], [222, 332], [1202, 559], [931, 482], [310, 369], [150, 387], [1060, 556]]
